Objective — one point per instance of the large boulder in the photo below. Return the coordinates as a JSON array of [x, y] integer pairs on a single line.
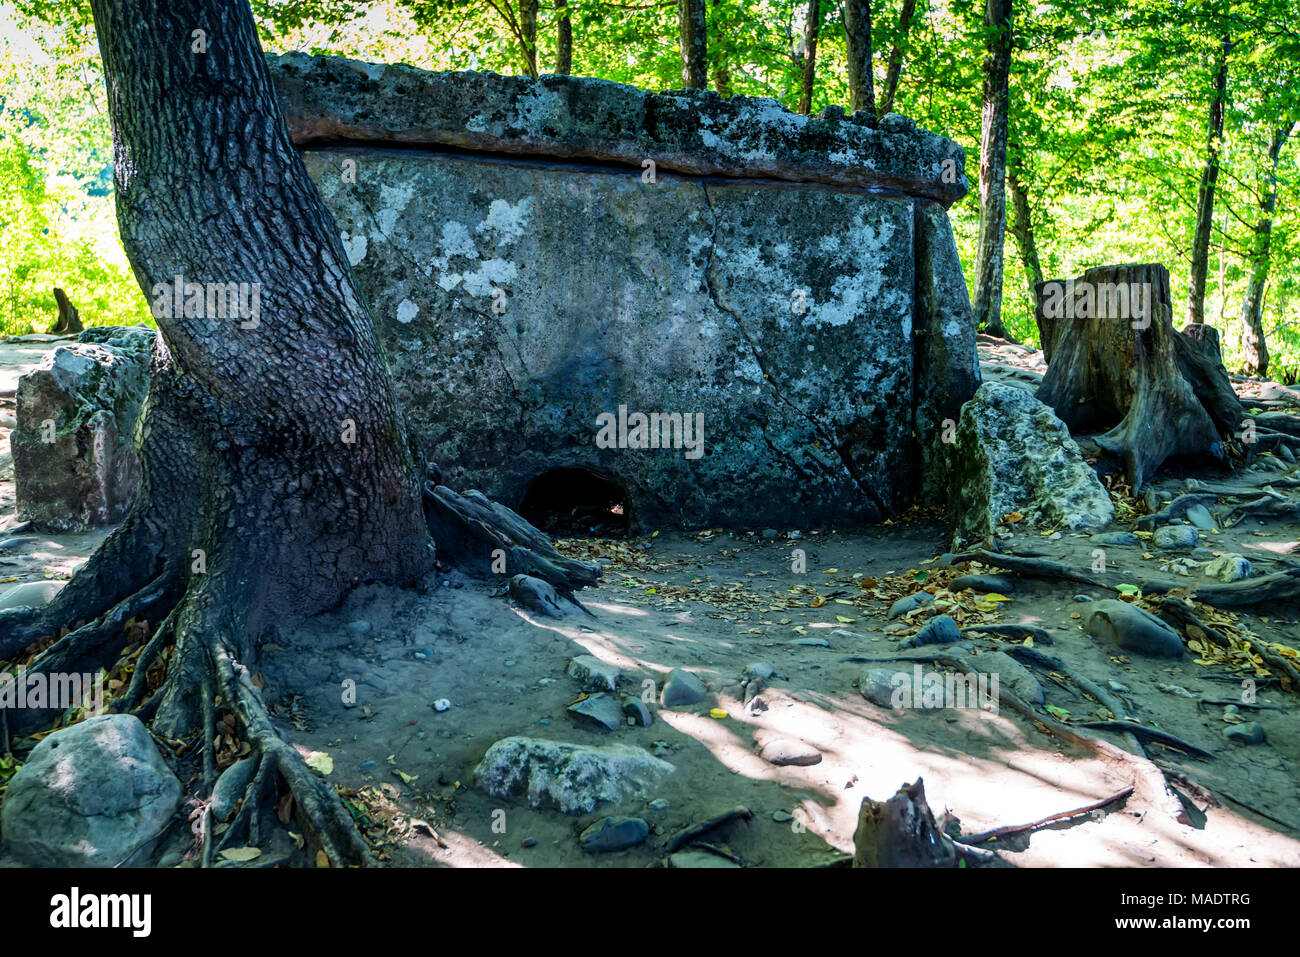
[[1012, 454], [573, 778], [74, 460], [89, 796]]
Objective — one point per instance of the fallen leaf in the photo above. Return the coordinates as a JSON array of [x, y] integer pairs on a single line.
[[241, 854], [320, 761]]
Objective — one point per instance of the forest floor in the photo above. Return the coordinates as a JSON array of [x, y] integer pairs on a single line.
[[715, 602]]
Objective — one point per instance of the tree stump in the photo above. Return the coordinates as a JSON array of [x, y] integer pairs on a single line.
[[1117, 366], [69, 319], [901, 832]]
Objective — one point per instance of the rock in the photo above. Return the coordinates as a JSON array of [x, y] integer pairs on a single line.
[[1248, 733], [939, 630], [770, 533], [1114, 538], [358, 628], [1132, 629], [760, 671], [877, 685], [637, 710], [1117, 686], [785, 752], [614, 834], [1225, 568], [89, 795], [910, 603], [528, 842], [697, 858], [593, 674], [536, 595], [1012, 676], [1175, 536], [442, 704], [782, 817], [1200, 516], [682, 688], [30, 594], [811, 643], [86, 395], [1012, 454], [1083, 598], [230, 788], [983, 583], [572, 778], [659, 804], [600, 710]]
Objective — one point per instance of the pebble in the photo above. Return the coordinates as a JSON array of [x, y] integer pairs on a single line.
[[359, 627], [682, 688], [1248, 733], [614, 834], [1083, 598], [528, 842], [659, 804], [910, 603], [1175, 536], [442, 704], [782, 817], [787, 752]]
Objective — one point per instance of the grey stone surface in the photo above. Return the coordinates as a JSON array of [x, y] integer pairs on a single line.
[[877, 685], [328, 99], [1175, 537], [1132, 629], [593, 674], [614, 834], [1229, 568], [1249, 733], [1012, 454], [91, 391], [572, 778], [89, 796], [682, 688], [30, 594], [600, 710]]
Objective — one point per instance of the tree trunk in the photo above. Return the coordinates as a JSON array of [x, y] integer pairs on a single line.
[[528, 35], [691, 28], [987, 307], [1116, 363], [1252, 325], [895, 69], [275, 472], [857, 33], [1022, 227], [1205, 196], [808, 77], [563, 39]]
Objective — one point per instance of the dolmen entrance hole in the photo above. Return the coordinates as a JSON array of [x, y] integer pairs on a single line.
[[570, 502]]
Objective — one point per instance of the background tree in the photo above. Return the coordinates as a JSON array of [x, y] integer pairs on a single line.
[[987, 303], [692, 35]]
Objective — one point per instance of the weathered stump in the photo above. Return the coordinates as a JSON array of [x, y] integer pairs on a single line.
[[1117, 366], [69, 319], [901, 832]]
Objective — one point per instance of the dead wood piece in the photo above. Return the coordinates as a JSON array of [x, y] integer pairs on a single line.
[[1029, 567], [983, 836], [69, 320], [901, 832], [1153, 735], [696, 831]]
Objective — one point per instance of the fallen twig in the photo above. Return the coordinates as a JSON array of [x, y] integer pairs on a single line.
[[695, 831], [983, 836]]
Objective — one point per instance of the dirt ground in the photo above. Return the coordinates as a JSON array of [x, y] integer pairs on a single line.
[[716, 602]]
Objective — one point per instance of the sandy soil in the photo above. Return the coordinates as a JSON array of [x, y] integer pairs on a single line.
[[714, 603]]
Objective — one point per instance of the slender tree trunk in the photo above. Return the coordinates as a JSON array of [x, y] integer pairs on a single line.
[[1252, 325], [895, 70], [563, 39], [857, 31], [691, 29], [987, 307], [1205, 196], [811, 27], [1022, 227], [528, 35]]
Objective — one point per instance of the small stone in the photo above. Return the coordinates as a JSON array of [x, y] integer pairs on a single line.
[[787, 752], [593, 674], [1175, 536], [782, 817], [659, 804], [510, 663], [442, 704], [1117, 686], [544, 721], [1114, 538], [940, 630], [760, 671], [983, 583], [877, 686], [1200, 516], [1083, 598], [1133, 629], [359, 628], [1248, 733], [528, 842], [614, 834], [1229, 568], [637, 710], [601, 710], [682, 688], [910, 603]]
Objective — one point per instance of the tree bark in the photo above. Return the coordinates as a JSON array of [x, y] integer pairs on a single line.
[[808, 73], [1116, 365], [275, 471], [691, 29], [528, 35], [857, 32], [1022, 227], [1252, 325], [563, 39], [895, 70], [1205, 196], [987, 307]]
